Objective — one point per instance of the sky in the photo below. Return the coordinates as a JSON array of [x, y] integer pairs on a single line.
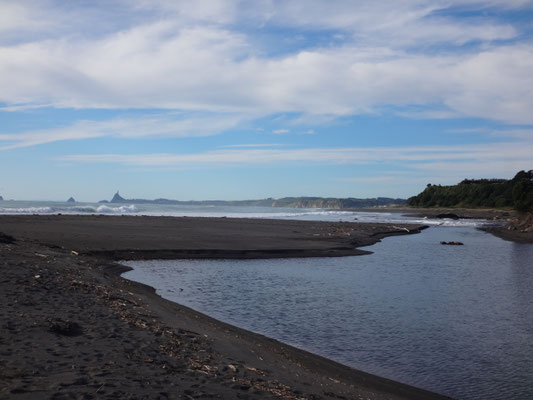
[[234, 99]]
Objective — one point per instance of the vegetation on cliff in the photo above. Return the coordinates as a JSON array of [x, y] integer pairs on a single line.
[[516, 193]]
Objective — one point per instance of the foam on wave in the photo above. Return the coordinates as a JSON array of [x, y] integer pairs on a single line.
[[71, 210], [26, 210], [304, 214]]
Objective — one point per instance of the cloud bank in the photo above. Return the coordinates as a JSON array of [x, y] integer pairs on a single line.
[[496, 159], [211, 56]]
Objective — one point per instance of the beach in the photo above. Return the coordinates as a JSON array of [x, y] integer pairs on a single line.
[[143, 237], [73, 328]]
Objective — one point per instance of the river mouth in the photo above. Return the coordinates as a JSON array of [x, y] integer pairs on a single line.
[[457, 320]]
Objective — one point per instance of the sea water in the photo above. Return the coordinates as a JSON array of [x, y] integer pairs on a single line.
[[11, 207], [457, 320]]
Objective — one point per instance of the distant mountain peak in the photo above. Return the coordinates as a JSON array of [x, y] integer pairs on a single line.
[[117, 198], [71, 200]]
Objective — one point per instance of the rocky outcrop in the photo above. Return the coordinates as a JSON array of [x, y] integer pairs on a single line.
[[522, 223], [71, 200], [117, 198], [6, 238], [1, 198]]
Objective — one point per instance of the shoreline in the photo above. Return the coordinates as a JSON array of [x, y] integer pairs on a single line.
[[515, 226], [511, 228], [131, 343], [335, 372], [144, 237]]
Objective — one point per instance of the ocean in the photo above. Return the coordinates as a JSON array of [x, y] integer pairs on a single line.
[[48, 208]]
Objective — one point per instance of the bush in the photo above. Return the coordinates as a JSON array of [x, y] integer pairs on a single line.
[[515, 193]]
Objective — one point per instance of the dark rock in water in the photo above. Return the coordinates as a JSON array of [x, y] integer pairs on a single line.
[[103, 201], [117, 198], [447, 215], [6, 238], [1, 198], [65, 328], [71, 200], [452, 243]]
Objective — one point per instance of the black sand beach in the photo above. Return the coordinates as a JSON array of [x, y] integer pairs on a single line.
[[140, 237], [73, 328]]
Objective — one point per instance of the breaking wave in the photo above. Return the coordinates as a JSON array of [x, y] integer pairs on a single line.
[[130, 209], [234, 212]]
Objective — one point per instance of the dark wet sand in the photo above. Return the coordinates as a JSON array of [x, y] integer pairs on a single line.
[[71, 327], [138, 237]]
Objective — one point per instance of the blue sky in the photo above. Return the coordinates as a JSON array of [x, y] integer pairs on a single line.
[[230, 99]]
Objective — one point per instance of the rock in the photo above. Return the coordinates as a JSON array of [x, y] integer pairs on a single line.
[[452, 243], [1, 198], [71, 200], [447, 215], [117, 198], [6, 238], [65, 328]]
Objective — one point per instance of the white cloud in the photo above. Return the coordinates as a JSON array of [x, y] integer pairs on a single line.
[[499, 133], [154, 126], [236, 146], [371, 21], [494, 158], [490, 168], [203, 69], [370, 179], [15, 16], [191, 56], [204, 11], [280, 131], [408, 165], [514, 133], [394, 23]]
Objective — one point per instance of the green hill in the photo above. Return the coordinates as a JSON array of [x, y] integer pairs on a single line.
[[516, 193]]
